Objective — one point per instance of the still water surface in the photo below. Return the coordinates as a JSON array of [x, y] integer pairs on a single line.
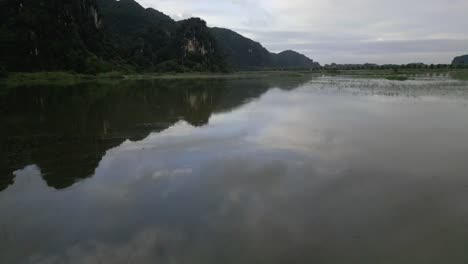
[[291, 170]]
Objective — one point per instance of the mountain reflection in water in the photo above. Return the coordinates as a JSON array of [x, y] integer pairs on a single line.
[[66, 130], [326, 170]]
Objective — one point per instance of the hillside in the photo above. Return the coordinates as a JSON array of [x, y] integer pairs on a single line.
[[460, 61], [245, 54], [152, 41], [48, 35], [93, 36], [290, 60]]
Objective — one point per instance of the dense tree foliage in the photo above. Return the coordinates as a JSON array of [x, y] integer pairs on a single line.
[[48, 35], [245, 54], [292, 60], [241, 52], [394, 67], [92, 36]]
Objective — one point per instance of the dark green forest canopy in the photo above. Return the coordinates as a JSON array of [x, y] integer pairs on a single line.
[[245, 54], [92, 36]]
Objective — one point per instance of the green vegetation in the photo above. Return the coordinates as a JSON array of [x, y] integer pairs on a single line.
[[397, 78], [153, 42], [65, 79], [48, 35], [97, 36], [44, 78], [245, 54], [57, 78], [92, 37], [460, 75], [70, 78]]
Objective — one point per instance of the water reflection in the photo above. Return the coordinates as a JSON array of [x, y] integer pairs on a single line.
[[334, 171], [66, 130]]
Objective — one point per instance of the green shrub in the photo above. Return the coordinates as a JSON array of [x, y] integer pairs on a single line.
[[112, 75], [170, 66], [95, 65]]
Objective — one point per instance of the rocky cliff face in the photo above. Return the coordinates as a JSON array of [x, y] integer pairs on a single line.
[[151, 40], [196, 46]]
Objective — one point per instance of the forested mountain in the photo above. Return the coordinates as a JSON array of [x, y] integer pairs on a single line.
[[153, 41], [290, 59], [92, 36], [460, 61], [245, 54], [48, 35], [241, 52]]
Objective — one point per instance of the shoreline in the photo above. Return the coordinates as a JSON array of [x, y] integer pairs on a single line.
[[70, 78]]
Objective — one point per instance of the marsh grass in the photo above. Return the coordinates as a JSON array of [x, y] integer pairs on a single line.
[[56, 78], [397, 78], [460, 75], [43, 78], [70, 78]]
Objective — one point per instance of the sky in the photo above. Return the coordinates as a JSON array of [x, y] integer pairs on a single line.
[[341, 31]]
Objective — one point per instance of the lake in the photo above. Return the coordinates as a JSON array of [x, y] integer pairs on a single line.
[[320, 169]]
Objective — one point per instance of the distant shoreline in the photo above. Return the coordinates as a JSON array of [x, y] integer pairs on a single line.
[[70, 78]]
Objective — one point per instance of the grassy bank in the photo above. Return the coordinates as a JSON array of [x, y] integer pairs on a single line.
[[54, 78], [67, 78]]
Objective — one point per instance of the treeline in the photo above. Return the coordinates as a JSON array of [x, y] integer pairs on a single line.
[[412, 66]]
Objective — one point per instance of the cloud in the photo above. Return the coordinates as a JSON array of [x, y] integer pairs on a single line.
[[358, 30], [270, 179]]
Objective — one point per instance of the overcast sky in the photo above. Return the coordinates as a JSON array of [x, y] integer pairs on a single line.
[[342, 31]]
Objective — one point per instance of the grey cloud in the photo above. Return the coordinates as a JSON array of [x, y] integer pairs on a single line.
[[341, 31]]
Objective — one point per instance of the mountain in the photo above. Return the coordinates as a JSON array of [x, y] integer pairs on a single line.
[[48, 35], [92, 36], [293, 60], [241, 52], [245, 54], [153, 41], [460, 61]]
